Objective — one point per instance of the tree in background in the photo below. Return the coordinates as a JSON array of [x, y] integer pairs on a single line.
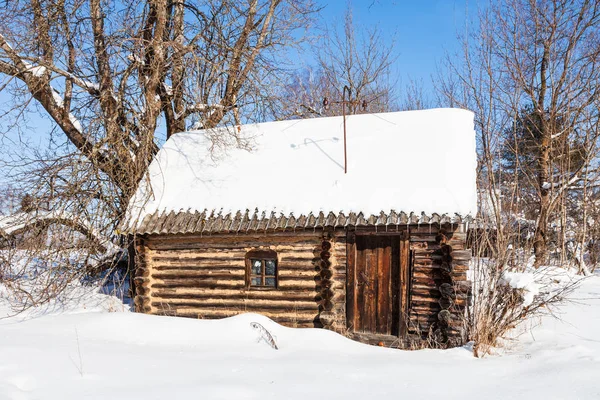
[[521, 150], [112, 76], [110, 73], [542, 56], [529, 71], [349, 56]]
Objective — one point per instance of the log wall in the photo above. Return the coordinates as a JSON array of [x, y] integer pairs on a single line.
[[204, 277], [439, 291]]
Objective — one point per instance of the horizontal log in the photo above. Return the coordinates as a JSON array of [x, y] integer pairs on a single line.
[[288, 284], [425, 293], [248, 305], [425, 319], [310, 277], [462, 255], [432, 268], [416, 237], [186, 293], [459, 277], [461, 236], [221, 250], [285, 321], [296, 259], [378, 339], [425, 308], [341, 278], [459, 267], [274, 315], [231, 241], [193, 276], [428, 273], [423, 287], [437, 258], [190, 264], [232, 273], [425, 262], [457, 245], [183, 253], [240, 248], [195, 268], [424, 229], [424, 247], [198, 283], [304, 268], [423, 281], [243, 235], [198, 262]]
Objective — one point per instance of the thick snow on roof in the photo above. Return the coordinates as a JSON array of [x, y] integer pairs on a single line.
[[413, 161]]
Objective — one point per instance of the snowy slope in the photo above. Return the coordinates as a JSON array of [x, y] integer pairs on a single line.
[[413, 161], [91, 354]]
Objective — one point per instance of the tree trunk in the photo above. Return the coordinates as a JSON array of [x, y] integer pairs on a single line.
[[540, 243]]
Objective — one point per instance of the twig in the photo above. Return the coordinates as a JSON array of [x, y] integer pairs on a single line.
[[264, 334]]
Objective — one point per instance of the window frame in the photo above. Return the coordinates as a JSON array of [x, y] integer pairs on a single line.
[[263, 256]]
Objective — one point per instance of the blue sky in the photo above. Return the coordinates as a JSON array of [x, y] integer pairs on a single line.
[[423, 29]]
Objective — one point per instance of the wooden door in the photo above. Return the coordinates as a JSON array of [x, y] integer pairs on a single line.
[[376, 271]]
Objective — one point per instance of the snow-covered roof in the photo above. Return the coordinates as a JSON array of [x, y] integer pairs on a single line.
[[421, 162]]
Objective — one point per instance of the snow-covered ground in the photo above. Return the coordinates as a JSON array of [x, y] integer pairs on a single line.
[[93, 350]]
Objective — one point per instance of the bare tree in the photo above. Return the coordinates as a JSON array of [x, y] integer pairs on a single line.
[[351, 56], [110, 73], [540, 56], [113, 77], [528, 69], [415, 97]]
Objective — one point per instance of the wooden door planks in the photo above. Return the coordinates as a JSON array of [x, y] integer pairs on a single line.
[[373, 284]]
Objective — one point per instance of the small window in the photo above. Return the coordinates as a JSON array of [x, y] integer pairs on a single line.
[[261, 269]]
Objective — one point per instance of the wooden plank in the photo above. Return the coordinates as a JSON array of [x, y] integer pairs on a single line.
[[384, 255], [405, 273], [360, 276], [371, 287], [351, 282], [396, 296]]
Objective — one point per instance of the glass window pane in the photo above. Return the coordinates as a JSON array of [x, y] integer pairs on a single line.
[[270, 282], [256, 267], [256, 282], [270, 267]]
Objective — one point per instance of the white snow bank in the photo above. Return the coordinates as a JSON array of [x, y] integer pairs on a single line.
[[99, 355], [72, 300], [543, 281], [415, 161]]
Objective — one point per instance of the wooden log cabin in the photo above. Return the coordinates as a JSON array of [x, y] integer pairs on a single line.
[[377, 254]]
